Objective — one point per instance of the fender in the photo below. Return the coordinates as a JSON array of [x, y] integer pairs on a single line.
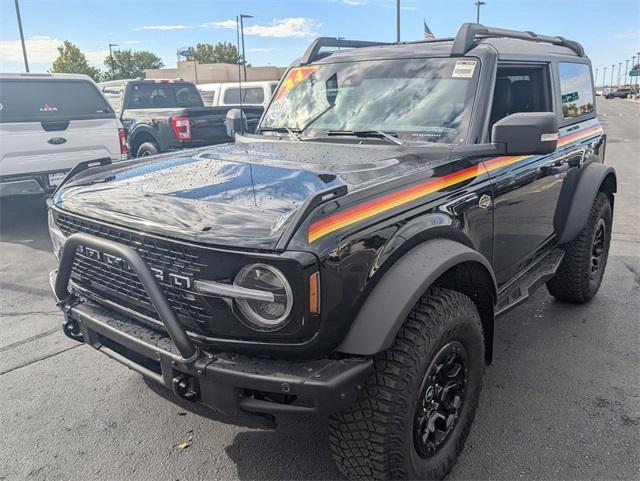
[[142, 128], [397, 292], [593, 176]]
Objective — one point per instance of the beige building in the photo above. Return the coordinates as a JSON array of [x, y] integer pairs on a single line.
[[214, 72]]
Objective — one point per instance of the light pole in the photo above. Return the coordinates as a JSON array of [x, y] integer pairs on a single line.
[[244, 59], [604, 79], [633, 65], [638, 53], [111, 57], [626, 71], [478, 4], [597, 76], [398, 21], [24, 48], [619, 69], [613, 68]]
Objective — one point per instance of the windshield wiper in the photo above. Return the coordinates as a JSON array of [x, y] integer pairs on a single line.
[[294, 132], [376, 134]]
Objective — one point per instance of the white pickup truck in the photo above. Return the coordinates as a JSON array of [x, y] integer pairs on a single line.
[[48, 124]]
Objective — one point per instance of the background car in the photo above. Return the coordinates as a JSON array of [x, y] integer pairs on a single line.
[[253, 93], [48, 124], [621, 93]]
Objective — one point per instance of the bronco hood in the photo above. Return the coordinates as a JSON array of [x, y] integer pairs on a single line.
[[240, 195]]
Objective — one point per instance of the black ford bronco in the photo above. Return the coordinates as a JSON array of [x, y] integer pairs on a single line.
[[352, 255]]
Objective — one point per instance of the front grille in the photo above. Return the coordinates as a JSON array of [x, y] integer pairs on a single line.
[[121, 285]]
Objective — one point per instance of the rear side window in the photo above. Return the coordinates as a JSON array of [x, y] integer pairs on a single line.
[[42, 100], [208, 97], [113, 93], [252, 95], [159, 95], [576, 89]]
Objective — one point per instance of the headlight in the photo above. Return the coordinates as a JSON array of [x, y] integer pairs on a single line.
[[266, 315], [57, 237]]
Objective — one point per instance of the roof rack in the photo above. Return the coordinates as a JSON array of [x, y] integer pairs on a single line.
[[469, 32], [313, 51]]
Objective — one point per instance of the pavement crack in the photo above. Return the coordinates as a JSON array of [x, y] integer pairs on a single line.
[[29, 339], [38, 359]]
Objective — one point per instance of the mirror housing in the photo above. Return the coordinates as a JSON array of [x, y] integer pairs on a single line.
[[235, 122], [527, 133]]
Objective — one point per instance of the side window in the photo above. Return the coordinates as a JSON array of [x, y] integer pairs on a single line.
[[576, 89], [208, 97], [113, 93], [521, 89], [252, 95]]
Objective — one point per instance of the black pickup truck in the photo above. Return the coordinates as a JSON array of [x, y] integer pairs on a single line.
[[352, 256], [166, 115]]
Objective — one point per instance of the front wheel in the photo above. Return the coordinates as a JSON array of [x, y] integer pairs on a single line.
[[580, 273], [418, 406]]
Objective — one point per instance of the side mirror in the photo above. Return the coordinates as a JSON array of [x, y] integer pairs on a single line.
[[527, 133], [235, 122]]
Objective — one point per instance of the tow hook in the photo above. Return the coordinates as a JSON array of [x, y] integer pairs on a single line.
[[186, 387], [72, 330]]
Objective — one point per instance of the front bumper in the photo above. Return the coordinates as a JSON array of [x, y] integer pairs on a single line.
[[230, 383]]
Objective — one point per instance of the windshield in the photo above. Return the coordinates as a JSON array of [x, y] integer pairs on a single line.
[[424, 100]]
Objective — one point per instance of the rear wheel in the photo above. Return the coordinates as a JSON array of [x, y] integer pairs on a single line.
[[580, 273], [418, 406], [147, 149]]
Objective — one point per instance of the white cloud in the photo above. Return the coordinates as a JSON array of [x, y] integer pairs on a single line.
[[131, 42], [298, 27], [358, 3], [165, 27], [633, 35], [42, 49]]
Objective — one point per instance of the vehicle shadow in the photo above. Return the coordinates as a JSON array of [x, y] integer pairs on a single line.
[[24, 221], [304, 439]]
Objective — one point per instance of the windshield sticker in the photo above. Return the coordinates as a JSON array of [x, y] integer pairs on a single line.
[[464, 69], [279, 108], [294, 77], [48, 108]]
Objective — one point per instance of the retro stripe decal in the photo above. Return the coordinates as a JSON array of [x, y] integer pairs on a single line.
[[382, 204]]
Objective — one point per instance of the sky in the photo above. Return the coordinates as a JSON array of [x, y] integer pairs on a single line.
[[280, 30]]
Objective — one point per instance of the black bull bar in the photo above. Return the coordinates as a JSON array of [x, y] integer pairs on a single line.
[[185, 347]]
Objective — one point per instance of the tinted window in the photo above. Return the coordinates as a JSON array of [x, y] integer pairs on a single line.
[[576, 89], [520, 89], [51, 100], [113, 93], [159, 95], [273, 88], [252, 95], [208, 96]]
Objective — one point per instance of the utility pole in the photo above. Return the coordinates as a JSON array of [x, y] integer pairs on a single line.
[[398, 21], [478, 4], [111, 58], [24, 48], [244, 58], [626, 71]]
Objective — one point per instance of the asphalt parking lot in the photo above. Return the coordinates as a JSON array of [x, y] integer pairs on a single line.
[[561, 400]]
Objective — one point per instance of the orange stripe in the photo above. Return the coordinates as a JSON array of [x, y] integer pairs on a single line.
[[376, 206]]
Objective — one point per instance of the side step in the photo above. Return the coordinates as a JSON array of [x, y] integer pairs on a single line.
[[526, 283]]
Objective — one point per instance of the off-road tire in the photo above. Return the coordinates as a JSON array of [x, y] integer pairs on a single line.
[[374, 439], [574, 281], [147, 149]]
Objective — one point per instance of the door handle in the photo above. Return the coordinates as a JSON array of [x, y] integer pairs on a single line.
[[554, 169]]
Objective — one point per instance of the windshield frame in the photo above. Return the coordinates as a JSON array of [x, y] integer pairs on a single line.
[[471, 100]]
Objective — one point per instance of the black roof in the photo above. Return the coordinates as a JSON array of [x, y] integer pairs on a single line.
[[472, 38]]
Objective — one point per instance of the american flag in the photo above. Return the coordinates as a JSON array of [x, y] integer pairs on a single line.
[[428, 34]]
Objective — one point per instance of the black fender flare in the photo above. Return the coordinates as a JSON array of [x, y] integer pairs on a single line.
[[589, 184], [142, 129], [393, 297]]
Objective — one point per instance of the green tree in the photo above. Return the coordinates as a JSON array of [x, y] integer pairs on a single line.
[[222, 52], [128, 64], [72, 60]]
